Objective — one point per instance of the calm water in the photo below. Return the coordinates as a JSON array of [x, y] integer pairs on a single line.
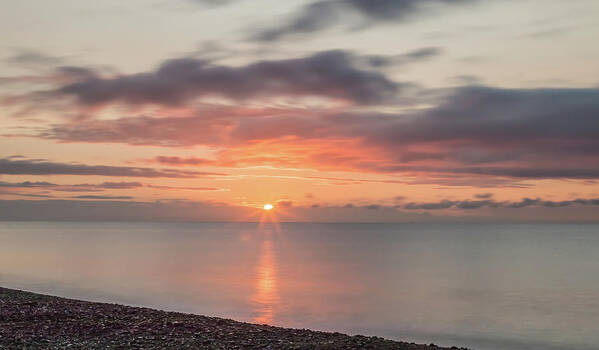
[[483, 286]]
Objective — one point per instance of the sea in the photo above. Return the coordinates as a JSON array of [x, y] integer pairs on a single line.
[[483, 286]]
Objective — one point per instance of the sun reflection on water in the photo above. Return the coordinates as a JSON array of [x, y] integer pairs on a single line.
[[265, 298]]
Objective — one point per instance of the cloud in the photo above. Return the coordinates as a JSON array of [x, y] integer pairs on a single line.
[[72, 188], [117, 185], [58, 75], [27, 184], [418, 55], [42, 167], [525, 202], [477, 204], [324, 14], [445, 204], [33, 58], [334, 74], [204, 189], [124, 185], [98, 187], [31, 195], [561, 204], [103, 197], [473, 131]]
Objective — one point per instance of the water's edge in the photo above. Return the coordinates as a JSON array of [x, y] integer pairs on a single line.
[[31, 319]]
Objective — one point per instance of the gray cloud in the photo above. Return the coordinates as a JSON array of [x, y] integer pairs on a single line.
[[474, 130], [27, 184], [34, 58], [334, 74], [505, 116], [32, 195], [42, 167], [104, 185], [444, 204], [117, 185], [124, 185], [560, 204], [477, 204], [418, 55], [103, 197], [324, 14]]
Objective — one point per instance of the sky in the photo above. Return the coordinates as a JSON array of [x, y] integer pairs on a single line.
[[331, 110]]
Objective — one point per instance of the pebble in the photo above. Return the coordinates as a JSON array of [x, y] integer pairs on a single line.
[[35, 321]]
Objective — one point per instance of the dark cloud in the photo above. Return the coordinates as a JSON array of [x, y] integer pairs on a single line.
[[27, 184], [124, 185], [332, 74], [507, 115], [42, 167], [483, 195], [29, 195], [324, 14], [475, 130], [477, 204], [72, 188], [560, 204], [103, 197], [445, 204]]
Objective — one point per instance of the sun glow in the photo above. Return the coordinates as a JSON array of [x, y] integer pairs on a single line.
[[269, 214], [268, 206]]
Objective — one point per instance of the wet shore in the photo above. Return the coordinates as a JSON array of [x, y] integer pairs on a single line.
[[35, 321]]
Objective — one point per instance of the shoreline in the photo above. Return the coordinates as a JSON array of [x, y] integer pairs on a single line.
[[31, 320]]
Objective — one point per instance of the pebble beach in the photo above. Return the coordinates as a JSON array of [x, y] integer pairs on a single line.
[[35, 321]]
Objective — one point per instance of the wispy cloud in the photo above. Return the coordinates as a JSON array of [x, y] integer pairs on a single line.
[[103, 197], [43, 167], [477, 204], [324, 14]]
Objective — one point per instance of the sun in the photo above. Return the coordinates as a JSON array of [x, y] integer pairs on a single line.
[[268, 206]]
